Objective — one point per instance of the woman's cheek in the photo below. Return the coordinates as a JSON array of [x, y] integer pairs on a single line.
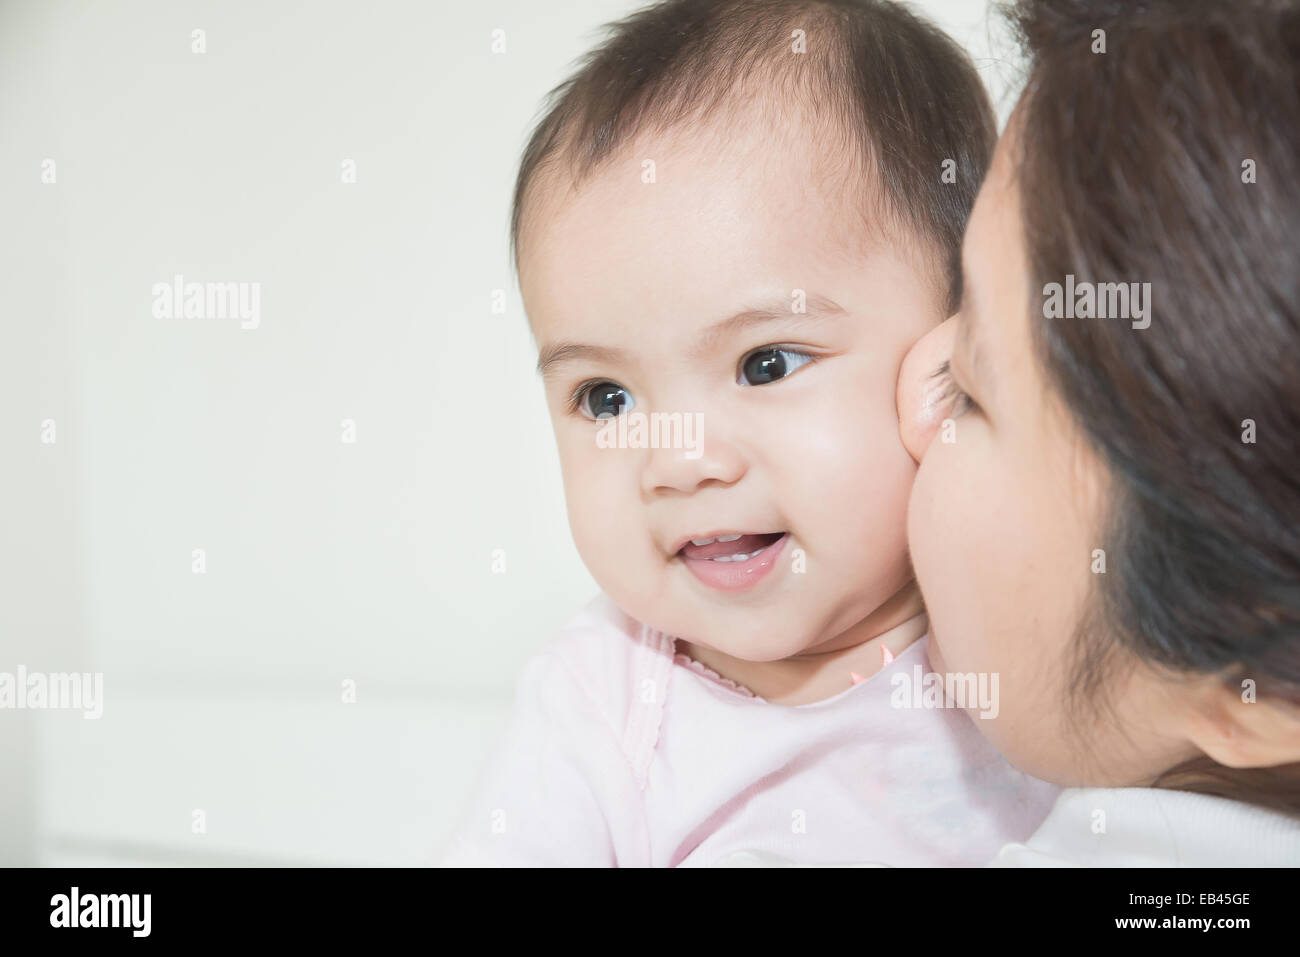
[[922, 541], [943, 529]]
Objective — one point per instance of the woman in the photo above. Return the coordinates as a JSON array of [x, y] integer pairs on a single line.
[[1110, 520]]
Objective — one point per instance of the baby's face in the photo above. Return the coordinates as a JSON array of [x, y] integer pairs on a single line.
[[679, 296]]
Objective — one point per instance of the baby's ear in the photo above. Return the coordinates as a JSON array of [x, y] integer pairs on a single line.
[[921, 400]]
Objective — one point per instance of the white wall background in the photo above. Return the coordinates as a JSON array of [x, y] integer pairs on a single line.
[[325, 561]]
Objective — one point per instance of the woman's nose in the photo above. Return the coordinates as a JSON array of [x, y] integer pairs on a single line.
[[921, 403]]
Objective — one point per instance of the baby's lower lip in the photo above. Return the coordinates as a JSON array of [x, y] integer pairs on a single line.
[[737, 576]]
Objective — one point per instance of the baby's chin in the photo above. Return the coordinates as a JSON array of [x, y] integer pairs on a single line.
[[743, 650], [748, 634]]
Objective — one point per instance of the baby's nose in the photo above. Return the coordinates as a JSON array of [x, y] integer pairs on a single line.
[[708, 459]]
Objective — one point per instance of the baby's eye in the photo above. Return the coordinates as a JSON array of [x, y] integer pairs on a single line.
[[599, 399], [769, 364]]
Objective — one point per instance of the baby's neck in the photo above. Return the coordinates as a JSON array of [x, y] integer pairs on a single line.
[[816, 675]]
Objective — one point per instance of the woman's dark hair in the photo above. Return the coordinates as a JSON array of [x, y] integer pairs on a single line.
[[1173, 158]]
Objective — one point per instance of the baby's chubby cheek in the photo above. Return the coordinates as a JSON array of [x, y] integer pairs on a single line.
[[608, 521], [848, 476]]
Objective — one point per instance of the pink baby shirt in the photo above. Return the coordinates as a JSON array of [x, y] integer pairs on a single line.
[[622, 751]]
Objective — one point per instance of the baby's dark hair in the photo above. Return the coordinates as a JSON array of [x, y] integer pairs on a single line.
[[903, 97]]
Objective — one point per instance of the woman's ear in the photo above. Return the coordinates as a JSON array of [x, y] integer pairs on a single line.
[[1238, 730], [921, 400]]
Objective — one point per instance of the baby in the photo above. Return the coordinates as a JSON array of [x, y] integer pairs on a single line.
[[730, 226]]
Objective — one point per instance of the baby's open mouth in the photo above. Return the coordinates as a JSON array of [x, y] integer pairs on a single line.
[[729, 546]]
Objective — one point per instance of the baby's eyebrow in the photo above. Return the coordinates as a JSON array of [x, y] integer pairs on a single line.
[[550, 356], [812, 307]]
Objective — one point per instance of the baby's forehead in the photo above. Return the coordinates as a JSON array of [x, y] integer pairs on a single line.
[[738, 177], [656, 255]]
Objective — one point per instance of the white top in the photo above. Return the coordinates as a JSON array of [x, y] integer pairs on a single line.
[[1128, 827], [1156, 827]]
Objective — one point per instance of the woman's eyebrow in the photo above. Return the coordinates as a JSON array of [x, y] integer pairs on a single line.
[[968, 343], [970, 352]]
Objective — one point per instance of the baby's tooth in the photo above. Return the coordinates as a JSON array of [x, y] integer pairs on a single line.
[[703, 541], [728, 538], [742, 557]]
